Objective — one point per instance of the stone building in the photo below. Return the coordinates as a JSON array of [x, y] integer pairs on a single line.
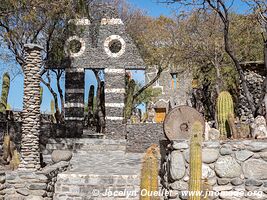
[[175, 86]]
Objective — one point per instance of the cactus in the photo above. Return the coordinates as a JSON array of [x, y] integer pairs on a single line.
[[6, 148], [225, 107], [14, 163], [129, 100], [91, 99], [196, 160], [232, 125], [41, 95], [52, 107], [52, 111], [5, 91], [149, 173]]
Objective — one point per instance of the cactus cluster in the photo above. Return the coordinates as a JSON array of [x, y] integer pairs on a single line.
[[149, 173], [195, 181], [225, 107], [5, 92]]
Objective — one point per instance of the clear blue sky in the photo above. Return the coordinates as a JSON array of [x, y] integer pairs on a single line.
[[150, 6]]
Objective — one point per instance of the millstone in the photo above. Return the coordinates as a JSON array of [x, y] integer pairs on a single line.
[[178, 122]]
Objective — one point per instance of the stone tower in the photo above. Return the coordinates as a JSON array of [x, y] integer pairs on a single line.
[[30, 154]]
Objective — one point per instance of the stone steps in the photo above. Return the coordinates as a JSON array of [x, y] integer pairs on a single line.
[[97, 166], [96, 186], [85, 144], [87, 133]]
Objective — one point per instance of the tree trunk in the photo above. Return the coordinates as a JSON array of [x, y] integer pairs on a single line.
[[160, 70], [62, 114], [99, 111]]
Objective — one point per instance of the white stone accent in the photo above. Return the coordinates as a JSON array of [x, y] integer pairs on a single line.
[[114, 105], [74, 118], [114, 71], [113, 21], [74, 91], [107, 42], [74, 105], [115, 90], [82, 50], [74, 70], [114, 118], [80, 22]]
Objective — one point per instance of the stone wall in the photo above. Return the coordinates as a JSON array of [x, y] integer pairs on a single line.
[[255, 74], [238, 166], [23, 185], [141, 136]]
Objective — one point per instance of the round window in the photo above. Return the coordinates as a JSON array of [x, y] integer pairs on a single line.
[[74, 46], [114, 46]]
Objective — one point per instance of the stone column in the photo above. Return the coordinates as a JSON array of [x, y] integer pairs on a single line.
[[114, 103], [30, 153], [74, 102]]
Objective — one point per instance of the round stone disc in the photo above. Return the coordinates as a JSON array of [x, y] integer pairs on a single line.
[[179, 121]]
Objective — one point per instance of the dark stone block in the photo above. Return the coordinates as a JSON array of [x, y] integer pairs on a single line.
[[74, 112], [74, 80], [74, 129], [74, 98]]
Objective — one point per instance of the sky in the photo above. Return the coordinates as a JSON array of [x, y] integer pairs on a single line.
[[151, 7]]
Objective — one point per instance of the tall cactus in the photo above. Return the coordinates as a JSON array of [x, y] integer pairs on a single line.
[[5, 91], [129, 100], [225, 106], [52, 107], [52, 111], [196, 160], [41, 94], [149, 173], [91, 99]]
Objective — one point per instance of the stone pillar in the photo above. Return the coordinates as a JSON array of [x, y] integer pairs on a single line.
[[30, 153], [74, 102], [114, 103]]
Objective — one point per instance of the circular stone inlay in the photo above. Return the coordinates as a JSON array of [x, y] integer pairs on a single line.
[[74, 46], [114, 46]]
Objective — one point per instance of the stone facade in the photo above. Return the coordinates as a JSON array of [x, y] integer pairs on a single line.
[[30, 154], [104, 44], [237, 166]]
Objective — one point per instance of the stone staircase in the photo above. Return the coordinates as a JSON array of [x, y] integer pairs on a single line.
[[100, 169], [87, 133]]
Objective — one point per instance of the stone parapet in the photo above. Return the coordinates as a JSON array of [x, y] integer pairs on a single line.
[[228, 166], [31, 185]]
